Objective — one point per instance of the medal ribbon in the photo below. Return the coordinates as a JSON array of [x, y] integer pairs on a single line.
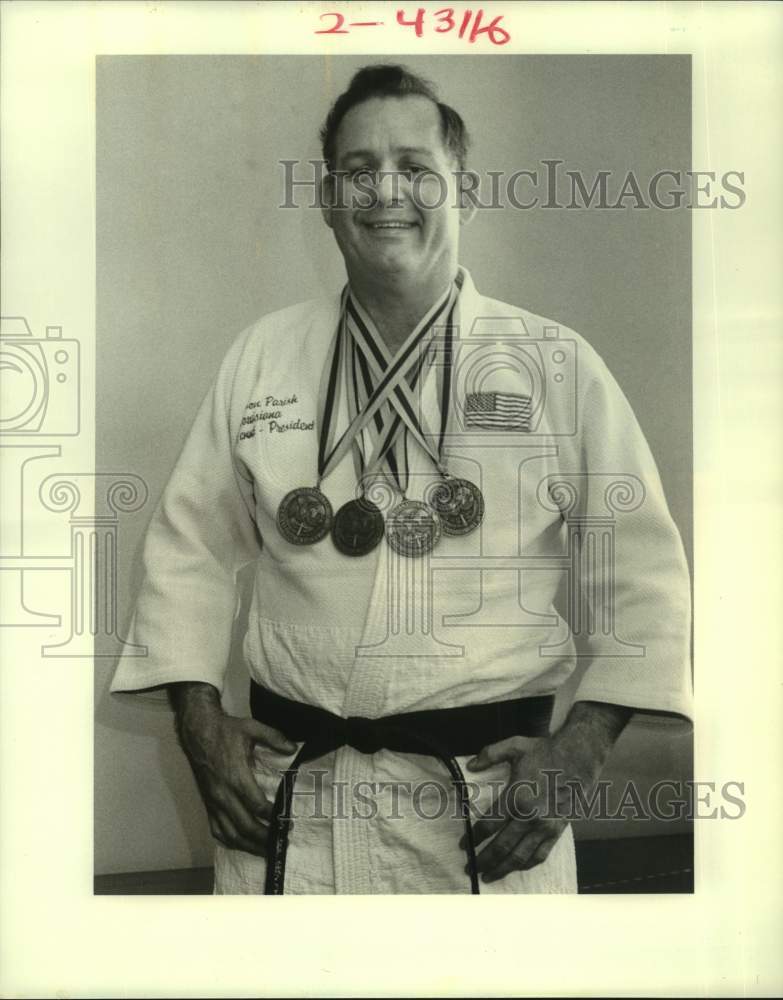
[[386, 446], [359, 368], [329, 456], [328, 395], [374, 353]]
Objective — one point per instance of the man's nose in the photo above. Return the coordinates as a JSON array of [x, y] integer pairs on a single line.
[[389, 187]]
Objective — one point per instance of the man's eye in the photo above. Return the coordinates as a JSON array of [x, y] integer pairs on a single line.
[[413, 169], [365, 173]]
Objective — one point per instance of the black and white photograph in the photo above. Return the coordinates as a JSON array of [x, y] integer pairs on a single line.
[[475, 553], [371, 456]]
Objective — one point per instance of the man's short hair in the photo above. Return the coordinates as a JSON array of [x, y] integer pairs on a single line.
[[389, 80]]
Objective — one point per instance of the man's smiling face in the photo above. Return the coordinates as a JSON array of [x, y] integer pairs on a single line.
[[398, 236]]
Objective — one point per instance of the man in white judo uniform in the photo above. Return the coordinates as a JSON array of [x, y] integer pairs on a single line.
[[413, 470]]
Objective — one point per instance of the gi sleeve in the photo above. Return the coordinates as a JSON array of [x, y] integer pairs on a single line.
[[632, 616], [201, 533]]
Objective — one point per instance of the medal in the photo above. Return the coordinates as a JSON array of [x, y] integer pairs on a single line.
[[412, 528], [304, 516], [454, 506], [357, 527], [458, 503]]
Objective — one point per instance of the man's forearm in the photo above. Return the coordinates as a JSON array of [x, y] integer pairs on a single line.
[[191, 702], [591, 730]]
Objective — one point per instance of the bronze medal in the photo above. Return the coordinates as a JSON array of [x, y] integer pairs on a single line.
[[412, 528], [357, 527], [458, 503], [304, 516]]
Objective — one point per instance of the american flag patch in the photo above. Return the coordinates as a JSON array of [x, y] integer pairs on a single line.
[[502, 410]]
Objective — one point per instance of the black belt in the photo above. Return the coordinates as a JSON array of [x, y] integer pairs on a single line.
[[444, 733]]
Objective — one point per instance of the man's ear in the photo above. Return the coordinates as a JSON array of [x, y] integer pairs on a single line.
[[468, 182]]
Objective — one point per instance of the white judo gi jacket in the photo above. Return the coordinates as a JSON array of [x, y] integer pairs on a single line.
[[573, 501]]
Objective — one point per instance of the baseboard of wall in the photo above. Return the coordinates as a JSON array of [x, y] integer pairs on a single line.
[[174, 882], [662, 864], [623, 865]]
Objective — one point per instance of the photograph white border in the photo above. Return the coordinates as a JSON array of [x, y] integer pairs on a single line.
[[57, 939]]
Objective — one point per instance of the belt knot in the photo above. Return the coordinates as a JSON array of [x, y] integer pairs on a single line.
[[364, 735]]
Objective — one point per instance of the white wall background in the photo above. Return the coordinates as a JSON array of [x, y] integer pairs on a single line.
[[191, 248]]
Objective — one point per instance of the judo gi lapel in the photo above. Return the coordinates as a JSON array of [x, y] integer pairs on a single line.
[[401, 598]]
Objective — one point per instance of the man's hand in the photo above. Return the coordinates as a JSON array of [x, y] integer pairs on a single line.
[[220, 750], [530, 814]]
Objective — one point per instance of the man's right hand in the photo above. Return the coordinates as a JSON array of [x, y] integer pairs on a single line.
[[220, 750]]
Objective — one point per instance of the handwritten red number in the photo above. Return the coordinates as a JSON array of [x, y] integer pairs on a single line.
[[497, 35], [337, 28], [445, 22], [446, 17], [417, 23]]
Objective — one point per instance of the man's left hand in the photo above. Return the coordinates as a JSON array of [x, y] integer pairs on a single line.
[[534, 808]]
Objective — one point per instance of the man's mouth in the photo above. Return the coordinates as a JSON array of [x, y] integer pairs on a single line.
[[390, 225]]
